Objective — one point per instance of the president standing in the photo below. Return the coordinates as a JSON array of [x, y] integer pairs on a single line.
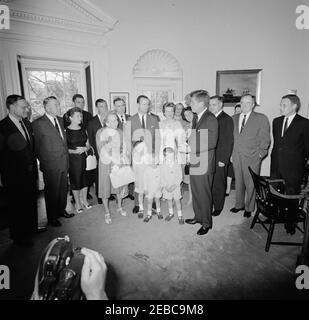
[[202, 158]]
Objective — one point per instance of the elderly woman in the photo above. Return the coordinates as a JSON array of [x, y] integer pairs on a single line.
[[112, 151], [78, 147], [172, 133]]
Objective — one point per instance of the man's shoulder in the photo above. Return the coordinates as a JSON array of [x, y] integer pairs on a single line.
[[226, 117], [302, 119], [39, 120]]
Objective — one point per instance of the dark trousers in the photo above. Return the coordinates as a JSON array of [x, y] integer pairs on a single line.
[[56, 191], [219, 187], [22, 206], [201, 186]]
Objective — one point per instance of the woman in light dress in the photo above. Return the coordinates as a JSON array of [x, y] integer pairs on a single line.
[[113, 154], [172, 133]]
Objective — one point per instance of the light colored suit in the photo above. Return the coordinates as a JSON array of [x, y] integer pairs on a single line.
[[250, 147]]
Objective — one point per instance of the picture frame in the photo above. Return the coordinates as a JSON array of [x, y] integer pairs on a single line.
[[123, 95], [232, 84]]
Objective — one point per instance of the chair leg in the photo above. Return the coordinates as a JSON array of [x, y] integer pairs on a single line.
[[255, 218], [270, 235]]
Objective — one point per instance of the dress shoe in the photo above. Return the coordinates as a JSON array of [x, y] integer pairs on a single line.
[[135, 209], [112, 198], [55, 223], [191, 221], [216, 213], [247, 214], [235, 210], [100, 201], [203, 231], [227, 194], [67, 215], [154, 206], [26, 243], [40, 230]]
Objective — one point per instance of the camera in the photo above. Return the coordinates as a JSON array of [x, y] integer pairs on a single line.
[[59, 271]]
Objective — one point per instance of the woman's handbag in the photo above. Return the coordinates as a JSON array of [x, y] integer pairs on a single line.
[[121, 176], [91, 161]]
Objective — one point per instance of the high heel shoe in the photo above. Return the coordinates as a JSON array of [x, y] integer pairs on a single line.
[[80, 210], [122, 212], [108, 219], [87, 206]]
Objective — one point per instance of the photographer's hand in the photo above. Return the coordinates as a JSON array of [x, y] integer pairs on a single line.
[[93, 275]]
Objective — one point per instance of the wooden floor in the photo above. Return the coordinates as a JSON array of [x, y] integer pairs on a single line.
[[165, 260]]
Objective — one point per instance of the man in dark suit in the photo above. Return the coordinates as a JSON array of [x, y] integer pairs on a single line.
[[18, 170], [52, 152], [120, 109], [223, 152], [94, 125], [143, 127], [202, 142], [251, 143], [291, 144]]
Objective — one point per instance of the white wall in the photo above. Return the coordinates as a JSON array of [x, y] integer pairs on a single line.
[[206, 36]]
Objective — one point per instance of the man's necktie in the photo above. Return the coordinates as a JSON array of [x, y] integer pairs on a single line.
[[122, 119], [25, 131], [143, 122], [57, 128], [285, 127], [243, 123]]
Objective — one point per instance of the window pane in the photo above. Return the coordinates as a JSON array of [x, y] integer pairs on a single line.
[[44, 83]]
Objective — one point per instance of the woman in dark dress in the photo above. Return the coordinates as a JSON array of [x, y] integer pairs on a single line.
[[78, 146]]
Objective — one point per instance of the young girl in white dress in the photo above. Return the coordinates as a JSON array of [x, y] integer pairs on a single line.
[[152, 187], [171, 178]]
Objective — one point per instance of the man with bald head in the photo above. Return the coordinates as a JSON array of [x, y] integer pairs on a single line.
[[251, 143]]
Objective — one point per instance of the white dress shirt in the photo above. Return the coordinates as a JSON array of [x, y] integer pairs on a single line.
[[218, 114], [141, 118], [241, 117], [289, 119], [122, 118], [199, 116], [52, 120], [101, 120], [19, 127]]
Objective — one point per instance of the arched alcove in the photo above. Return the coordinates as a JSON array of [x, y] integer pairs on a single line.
[[157, 63], [158, 75]]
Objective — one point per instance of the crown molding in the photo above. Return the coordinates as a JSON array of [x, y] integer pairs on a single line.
[[99, 22]]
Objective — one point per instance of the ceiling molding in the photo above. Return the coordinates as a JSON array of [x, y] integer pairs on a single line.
[[98, 22]]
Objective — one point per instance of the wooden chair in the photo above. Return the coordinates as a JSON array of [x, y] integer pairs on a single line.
[[276, 207]]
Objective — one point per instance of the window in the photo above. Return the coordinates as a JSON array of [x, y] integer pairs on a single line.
[[43, 78], [42, 84]]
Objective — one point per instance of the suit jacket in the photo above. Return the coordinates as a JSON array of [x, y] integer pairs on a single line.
[[94, 125], [120, 125], [225, 139], [152, 125], [18, 167], [290, 151], [254, 140], [87, 116], [50, 148], [204, 146]]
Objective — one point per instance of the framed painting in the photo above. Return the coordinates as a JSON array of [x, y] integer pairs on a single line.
[[232, 84], [122, 95]]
